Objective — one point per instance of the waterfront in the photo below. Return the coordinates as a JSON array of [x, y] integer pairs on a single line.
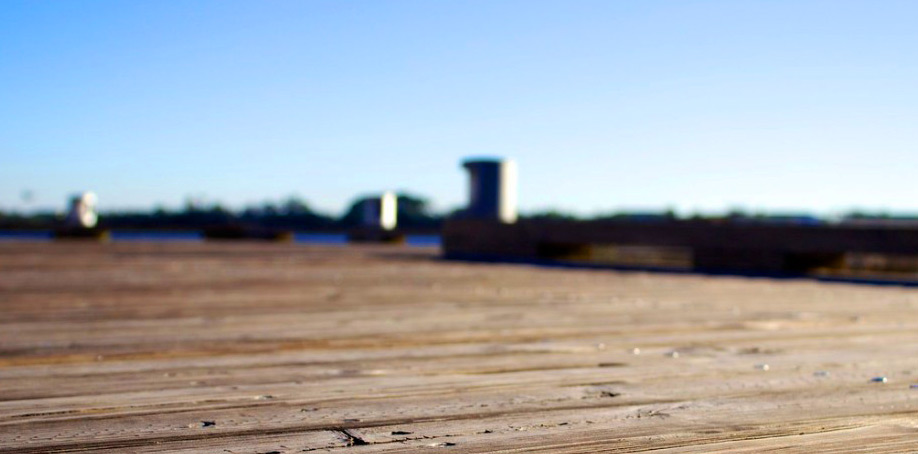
[[193, 236]]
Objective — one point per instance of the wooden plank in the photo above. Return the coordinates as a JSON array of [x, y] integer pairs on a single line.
[[252, 347]]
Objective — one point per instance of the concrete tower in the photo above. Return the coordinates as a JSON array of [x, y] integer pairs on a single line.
[[492, 184]]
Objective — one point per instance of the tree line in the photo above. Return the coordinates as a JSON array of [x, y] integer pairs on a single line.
[[414, 213]]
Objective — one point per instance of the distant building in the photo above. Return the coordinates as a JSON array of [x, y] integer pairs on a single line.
[[380, 212], [492, 190]]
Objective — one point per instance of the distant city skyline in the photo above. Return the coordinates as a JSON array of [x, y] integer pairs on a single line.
[[696, 106]]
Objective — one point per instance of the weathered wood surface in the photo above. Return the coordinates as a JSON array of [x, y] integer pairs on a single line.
[[282, 348]]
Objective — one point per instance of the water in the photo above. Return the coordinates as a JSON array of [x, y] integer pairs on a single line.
[[334, 239], [423, 240], [339, 239], [25, 235]]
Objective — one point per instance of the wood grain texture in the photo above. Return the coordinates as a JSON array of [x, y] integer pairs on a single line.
[[283, 348]]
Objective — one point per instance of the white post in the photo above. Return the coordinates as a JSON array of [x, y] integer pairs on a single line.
[[388, 211]]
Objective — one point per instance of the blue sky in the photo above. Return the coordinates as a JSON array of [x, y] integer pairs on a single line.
[[606, 105]]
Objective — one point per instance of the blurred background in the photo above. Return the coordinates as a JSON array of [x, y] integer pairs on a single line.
[[693, 107]]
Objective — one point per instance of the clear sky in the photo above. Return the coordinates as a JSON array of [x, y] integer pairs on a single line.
[[694, 105]]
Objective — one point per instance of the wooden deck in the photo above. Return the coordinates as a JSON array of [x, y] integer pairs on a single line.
[[285, 348], [712, 246]]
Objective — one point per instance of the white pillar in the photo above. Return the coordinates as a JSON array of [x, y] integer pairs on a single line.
[[492, 189]]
